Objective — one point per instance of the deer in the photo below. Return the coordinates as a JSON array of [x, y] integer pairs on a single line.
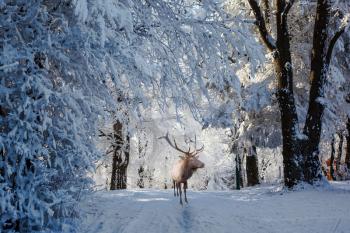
[[184, 168]]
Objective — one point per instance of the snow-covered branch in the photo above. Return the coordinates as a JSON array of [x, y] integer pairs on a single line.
[[286, 11], [260, 22], [343, 27]]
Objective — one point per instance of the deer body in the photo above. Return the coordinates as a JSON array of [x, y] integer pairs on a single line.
[[181, 172], [184, 168]]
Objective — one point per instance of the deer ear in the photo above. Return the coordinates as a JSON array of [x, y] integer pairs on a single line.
[[181, 157]]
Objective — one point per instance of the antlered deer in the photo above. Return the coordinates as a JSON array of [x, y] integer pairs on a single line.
[[184, 168]]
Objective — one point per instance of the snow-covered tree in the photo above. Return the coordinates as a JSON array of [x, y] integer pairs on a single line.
[[300, 154], [51, 95]]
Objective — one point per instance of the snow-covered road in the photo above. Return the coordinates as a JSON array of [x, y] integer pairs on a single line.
[[261, 209]]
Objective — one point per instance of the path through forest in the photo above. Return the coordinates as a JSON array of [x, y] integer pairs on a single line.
[[259, 209]]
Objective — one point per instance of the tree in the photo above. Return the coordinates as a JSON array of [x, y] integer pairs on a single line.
[[50, 99], [331, 175], [239, 179], [120, 157], [300, 152], [252, 167], [120, 149]]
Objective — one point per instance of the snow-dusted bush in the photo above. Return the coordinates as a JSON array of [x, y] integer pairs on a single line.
[[50, 97]]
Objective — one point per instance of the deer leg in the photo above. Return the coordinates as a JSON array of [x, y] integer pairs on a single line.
[[177, 189], [180, 193], [185, 187], [174, 187]]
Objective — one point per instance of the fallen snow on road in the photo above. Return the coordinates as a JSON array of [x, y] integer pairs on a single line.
[[260, 209]]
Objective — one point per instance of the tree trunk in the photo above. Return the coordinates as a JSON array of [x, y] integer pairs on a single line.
[[283, 68], [347, 156], [120, 158], [292, 160], [126, 161], [113, 185], [339, 155], [121, 177], [331, 161], [318, 74], [238, 172], [252, 167], [267, 12], [140, 182]]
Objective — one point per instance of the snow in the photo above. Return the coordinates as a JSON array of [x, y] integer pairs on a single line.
[[81, 9], [257, 209]]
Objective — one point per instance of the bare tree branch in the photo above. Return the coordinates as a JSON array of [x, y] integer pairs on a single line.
[[267, 11], [287, 7], [332, 43], [286, 11], [108, 136], [260, 22]]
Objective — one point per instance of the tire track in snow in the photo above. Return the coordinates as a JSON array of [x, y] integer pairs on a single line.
[[153, 215]]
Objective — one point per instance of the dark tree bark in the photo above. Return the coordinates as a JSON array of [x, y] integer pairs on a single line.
[[347, 155], [331, 161], [140, 182], [238, 172], [252, 167], [117, 156], [283, 68], [235, 150], [120, 159], [318, 75], [339, 155], [125, 163], [267, 12], [241, 181]]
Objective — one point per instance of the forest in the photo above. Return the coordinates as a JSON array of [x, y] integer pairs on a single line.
[[238, 108]]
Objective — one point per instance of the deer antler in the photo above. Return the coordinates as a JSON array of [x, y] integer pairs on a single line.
[[196, 151], [166, 137]]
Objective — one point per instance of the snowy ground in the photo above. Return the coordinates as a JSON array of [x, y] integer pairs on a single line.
[[260, 209]]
